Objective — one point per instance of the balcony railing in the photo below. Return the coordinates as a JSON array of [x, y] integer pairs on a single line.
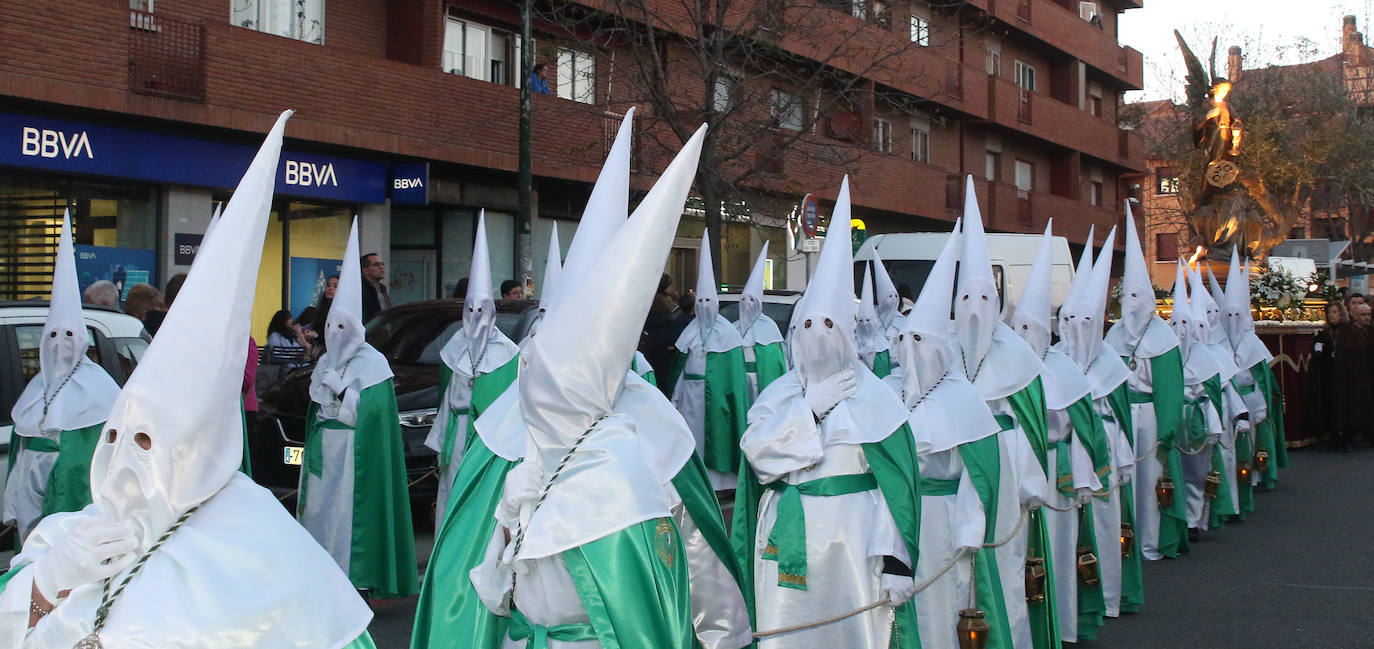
[[166, 57]]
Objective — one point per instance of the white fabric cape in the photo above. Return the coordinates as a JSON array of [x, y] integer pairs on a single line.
[[84, 401], [1009, 366], [722, 338], [952, 413], [1251, 351], [500, 350], [1158, 339], [367, 368], [763, 332], [1106, 373], [1064, 381], [239, 574]]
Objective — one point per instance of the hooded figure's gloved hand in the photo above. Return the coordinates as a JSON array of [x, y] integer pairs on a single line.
[[333, 380], [523, 484], [824, 395], [896, 589], [80, 557]]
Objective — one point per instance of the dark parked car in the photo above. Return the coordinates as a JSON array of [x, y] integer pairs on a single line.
[[410, 336]]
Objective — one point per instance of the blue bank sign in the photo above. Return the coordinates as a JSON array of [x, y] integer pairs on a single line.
[[74, 147], [410, 183]]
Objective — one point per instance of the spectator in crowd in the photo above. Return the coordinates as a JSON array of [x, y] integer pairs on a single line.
[[1351, 394], [1354, 299], [512, 290], [249, 397], [142, 298], [538, 84], [1321, 381], [662, 328], [375, 298], [282, 333], [461, 290], [322, 311], [102, 293], [153, 321], [174, 287]]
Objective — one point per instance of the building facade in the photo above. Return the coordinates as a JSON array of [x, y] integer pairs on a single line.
[[139, 116]]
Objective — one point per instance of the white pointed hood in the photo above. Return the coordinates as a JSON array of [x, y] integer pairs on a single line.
[[751, 298], [607, 207], [573, 372], [976, 308], [214, 220], [1189, 322], [889, 302], [344, 332], [923, 350], [183, 398], [1137, 292], [868, 334], [1249, 349], [552, 268], [1181, 315], [1081, 272], [707, 302], [70, 391], [1139, 333], [1031, 321], [479, 305], [823, 340], [1208, 313], [1083, 327]]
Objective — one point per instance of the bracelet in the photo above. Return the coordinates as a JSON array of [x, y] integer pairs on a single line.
[[37, 610]]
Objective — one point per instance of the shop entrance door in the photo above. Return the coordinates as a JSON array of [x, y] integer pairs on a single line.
[[411, 275], [30, 225]]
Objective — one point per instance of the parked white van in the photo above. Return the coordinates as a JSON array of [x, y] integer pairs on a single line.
[[908, 258]]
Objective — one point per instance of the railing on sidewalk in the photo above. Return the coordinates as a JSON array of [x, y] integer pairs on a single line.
[[166, 56]]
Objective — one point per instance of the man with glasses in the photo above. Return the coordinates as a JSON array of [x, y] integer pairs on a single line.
[[375, 297]]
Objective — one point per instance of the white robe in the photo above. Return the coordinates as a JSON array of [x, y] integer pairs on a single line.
[[1197, 462], [239, 574], [949, 524]]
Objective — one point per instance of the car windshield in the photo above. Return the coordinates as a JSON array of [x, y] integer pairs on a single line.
[[913, 273], [416, 336], [779, 312]]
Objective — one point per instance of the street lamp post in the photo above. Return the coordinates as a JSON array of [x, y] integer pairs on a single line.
[[525, 225]]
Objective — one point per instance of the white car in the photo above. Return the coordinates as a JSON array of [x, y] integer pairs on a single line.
[[117, 343]]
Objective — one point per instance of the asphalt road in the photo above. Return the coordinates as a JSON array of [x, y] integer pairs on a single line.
[[1297, 573]]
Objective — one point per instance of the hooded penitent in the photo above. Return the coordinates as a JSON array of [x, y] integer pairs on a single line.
[[708, 383], [889, 303], [167, 465], [58, 415], [1265, 400], [976, 307], [764, 357], [1151, 350], [552, 268], [478, 365], [1031, 321], [828, 419], [1233, 410], [870, 340], [353, 494]]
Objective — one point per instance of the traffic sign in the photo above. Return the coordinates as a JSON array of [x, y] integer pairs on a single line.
[[810, 214]]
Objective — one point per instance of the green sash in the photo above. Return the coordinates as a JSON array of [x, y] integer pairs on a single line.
[[882, 363], [937, 487], [634, 585], [69, 484], [1090, 432], [787, 540], [1028, 404], [1270, 434], [383, 547], [727, 405], [770, 362], [537, 637], [1166, 372], [1092, 605], [983, 461]]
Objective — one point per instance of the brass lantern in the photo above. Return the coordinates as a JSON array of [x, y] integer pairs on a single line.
[[973, 629], [1243, 473], [1211, 485], [1164, 491], [1087, 567], [1261, 460], [1127, 540], [1035, 580]]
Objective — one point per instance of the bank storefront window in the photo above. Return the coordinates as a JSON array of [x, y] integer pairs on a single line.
[[114, 230], [303, 249]]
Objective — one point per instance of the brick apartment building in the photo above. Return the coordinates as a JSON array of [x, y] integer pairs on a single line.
[[140, 115], [1325, 216]]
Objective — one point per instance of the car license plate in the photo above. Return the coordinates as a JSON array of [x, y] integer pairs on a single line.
[[292, 455]]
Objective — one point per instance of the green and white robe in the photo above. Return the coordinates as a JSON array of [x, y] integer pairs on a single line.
[[710, 388], [353, 494], [450, 605], [240, 572], [464, 395], [1235, 426], [1009, 380], [1200, 433], [50, 452], [764, 357], [1155, 392], [818, 507], [1260, 389]]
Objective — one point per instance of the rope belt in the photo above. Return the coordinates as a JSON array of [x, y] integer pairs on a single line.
[[787, 540], [537, 636]]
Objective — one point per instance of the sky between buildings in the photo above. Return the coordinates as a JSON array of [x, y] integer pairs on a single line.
[[1269, 32]]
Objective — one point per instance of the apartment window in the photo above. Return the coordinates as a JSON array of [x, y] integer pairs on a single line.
[[576, 75], [882, 135], [920, 143], [1095, 106], [1025, 177], [920, 31], [1166, 181], [141, 5], [786, 110], [1095, 193], [477, 51], [994, 61], [299, 19], [723, 97], [993, 165], [1025, 76], [857, 8], [1166, 246]]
